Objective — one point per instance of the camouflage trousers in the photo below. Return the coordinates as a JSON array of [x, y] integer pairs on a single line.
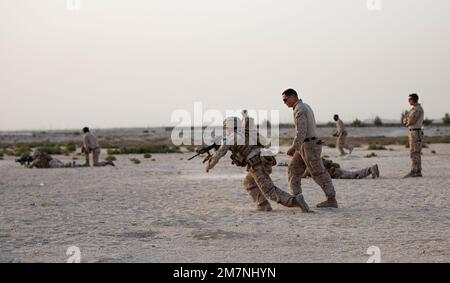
[[309, 158], [260, 187], [95, 156], [342, 144], [360, 174], [415, 146]]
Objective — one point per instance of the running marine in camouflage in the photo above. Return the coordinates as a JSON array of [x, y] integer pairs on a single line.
[[259, 163]]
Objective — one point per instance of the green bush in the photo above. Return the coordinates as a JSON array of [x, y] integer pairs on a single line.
[[135, 160], [154, 148], [110, 158], [71, 147], [147, 156], [331, 145], [433, 151], [374, 146], [22, 150], [51, 150], [372, 154]]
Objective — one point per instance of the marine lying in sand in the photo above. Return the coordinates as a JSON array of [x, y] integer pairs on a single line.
[[336, 172], [259, 162], [42, 160]]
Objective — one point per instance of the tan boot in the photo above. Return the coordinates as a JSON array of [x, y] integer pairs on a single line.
[[330, 202], [413, 175], [299, 201], [265, 206], [375, 172]]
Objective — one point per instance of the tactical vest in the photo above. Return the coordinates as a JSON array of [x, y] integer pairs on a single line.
[[240, 153]]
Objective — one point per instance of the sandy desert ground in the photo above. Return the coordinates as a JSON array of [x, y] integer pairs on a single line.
[[170, 210]]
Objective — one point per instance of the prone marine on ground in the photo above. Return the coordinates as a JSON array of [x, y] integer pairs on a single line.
[[336, 172], [259, 163], [42, 160]]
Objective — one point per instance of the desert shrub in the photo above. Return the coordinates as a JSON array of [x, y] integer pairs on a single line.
[[135, 160], [153, 148], [71, 147], [190, 148], [22, 150], [147, 156], [51, 150], [372, 154], [374, 146], [110, 158], [433, 151], [331, 145], [111, 151]]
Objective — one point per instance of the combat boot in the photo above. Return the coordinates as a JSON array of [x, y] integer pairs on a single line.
[[265, 206], [413, 174], [375, 172], [299, 201], [330, 202]]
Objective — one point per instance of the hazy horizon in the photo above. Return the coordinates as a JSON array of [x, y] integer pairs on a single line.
[[117, 64]]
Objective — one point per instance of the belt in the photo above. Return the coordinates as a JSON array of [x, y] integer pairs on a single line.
[[415, 130], [310, 139]]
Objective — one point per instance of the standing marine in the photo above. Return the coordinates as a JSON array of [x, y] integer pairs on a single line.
[[341, 135], [413, 120], [306, 151]]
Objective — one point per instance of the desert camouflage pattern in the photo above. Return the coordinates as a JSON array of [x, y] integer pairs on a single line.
[[341, 134], [309, 159], [414, 121], [257, 183]]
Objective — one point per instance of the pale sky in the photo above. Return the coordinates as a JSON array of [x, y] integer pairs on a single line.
[[117, 63]]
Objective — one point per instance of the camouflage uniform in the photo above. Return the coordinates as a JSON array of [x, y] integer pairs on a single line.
[[414, 121], [308, 150], [257, 182], [91, 145], [336, 172], [42, 160], [341, 134]]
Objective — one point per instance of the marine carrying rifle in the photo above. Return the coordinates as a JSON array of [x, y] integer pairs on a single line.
[[206, 149]]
